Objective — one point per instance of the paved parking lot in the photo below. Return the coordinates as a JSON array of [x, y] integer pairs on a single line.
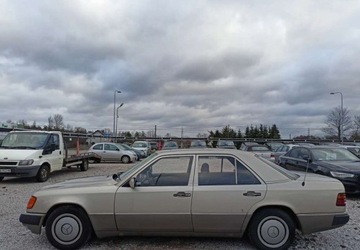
[[14, 194]]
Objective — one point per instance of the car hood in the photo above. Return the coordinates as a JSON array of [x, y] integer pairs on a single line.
[[19, 154], [341, 165], [96, 181]]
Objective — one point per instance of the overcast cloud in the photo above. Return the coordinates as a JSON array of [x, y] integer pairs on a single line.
[[196, 65]]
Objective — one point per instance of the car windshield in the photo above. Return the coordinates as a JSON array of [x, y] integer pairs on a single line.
[[24, 140], [139, 145], [134, 168], [226, 143], [170, 144], [258, 148], [333, 154], [198, 144]]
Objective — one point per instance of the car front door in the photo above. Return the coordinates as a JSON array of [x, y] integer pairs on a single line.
[[161, 199], [55, 157], [224, 191]]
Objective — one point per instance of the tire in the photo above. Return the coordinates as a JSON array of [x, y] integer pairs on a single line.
[[125, 159], [1, 178], [68, 227], [85, 165], [272, 229], [43, 173]]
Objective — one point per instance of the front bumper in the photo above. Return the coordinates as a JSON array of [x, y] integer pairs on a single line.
[[23, 171], [33, 222]]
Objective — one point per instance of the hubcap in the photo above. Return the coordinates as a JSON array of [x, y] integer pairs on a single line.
[[273, 232], [67, 229]]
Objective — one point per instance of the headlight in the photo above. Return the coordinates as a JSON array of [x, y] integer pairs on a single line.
[[341, 175], [26, 162]]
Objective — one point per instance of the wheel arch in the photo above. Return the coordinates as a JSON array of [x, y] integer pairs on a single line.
[[286, 209], [56, 206]]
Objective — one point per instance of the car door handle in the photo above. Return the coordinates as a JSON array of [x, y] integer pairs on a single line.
[[252, 194], [182, 194]]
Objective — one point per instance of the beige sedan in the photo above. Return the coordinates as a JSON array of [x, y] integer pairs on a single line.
[[196, 192]]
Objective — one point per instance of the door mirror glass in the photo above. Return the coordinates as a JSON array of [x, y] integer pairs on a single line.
[[132, 182]]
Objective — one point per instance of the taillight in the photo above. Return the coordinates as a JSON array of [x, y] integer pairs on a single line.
[[341, 200], [31, 202]]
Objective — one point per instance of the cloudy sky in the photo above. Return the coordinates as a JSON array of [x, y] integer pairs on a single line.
[[196, 65]]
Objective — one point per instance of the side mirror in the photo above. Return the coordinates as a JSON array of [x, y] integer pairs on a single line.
[[132, 182]]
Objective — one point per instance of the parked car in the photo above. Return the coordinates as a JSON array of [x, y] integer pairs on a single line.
[[246, 144], [153, 145], [198, 144], [170, 145], [281, 151], [113, 152], [335, 162], [261, 150], [225, 144], [179, 192], [353, 149], [143, 146], [139, 153], [273, 146]]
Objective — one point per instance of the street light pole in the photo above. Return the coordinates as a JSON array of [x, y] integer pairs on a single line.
[[341, 116], [117, 116], [115, 91]]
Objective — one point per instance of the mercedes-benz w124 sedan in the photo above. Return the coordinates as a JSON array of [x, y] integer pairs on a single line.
[[196, 192]]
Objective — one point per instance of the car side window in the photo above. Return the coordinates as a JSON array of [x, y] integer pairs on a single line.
[[294, 153], [217, 170], [111, 147], [244, 176], [167, 171], [98, 147]]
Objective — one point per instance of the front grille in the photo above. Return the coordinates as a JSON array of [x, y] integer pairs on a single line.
[[8, 163]]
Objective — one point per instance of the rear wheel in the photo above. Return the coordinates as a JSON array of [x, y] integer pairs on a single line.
[[68, 227], [272, 229], [43, 173], [125, 159], [85, 165]]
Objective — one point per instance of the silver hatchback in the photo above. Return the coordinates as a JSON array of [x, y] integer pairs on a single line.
[[113, 152]]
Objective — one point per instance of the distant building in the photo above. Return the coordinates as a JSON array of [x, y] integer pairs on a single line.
[[96, 137]]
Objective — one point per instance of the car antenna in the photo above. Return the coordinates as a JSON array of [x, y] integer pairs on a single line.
[[307, 167]]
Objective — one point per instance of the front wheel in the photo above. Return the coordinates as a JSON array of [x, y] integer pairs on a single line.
[[43, 173], [125, 159], [68, 227], [272, 229]]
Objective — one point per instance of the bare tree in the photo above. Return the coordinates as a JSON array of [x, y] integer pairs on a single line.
[[337, 119], [355, 135], [58, 121], [50, 122]]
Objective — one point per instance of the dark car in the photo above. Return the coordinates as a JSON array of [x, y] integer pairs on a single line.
[[335, 162]]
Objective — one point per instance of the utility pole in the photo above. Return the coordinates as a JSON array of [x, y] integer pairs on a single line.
[[155, 131]]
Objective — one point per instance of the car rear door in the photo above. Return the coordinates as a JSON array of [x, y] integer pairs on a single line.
[[161, 200], [224, 192]]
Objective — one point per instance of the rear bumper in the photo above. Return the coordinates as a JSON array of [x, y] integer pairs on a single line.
[[320, 222], [24, 171], [32, 221]]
